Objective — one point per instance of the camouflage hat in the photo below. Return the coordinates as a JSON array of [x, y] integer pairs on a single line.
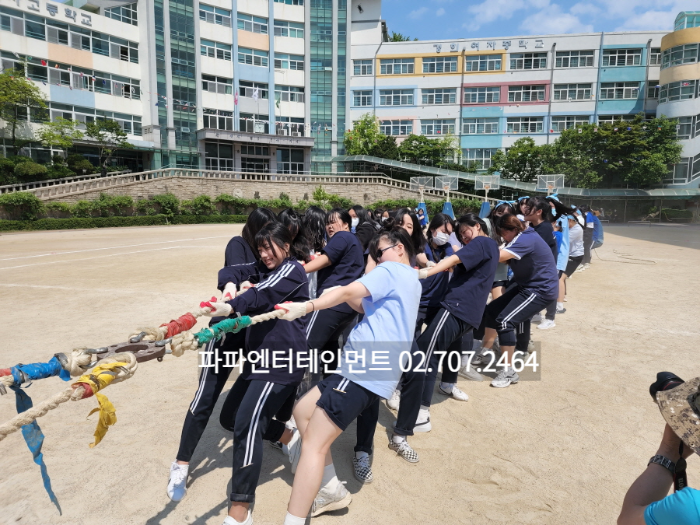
[[680, 407]]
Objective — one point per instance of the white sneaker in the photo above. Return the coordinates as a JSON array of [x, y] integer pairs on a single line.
[[470, 373], [328, 502], [537, 318], [586, 266], [505, 378], [546, 324], [423, 423], [248, 520], [394, 400], [178, 481], [293, 449], [455, 393]]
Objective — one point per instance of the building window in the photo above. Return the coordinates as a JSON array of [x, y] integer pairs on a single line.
[[622, 57], [248, 89], [679, 172], [396, 97], [481, 156], [525, 93], [290, 29], [258, 151], [684, 128], [215, 49], [362, 98], [289, 93], [482, 95], [362, 68], [655, 56], [483, 63], [253, 123], [217, 84], [619, 90], [653, 89], [290, 2], [528, 60], [293, 126], [525, 125], [252, 56], [218, 156], [440, 65], [396, 66], [214, 15], [480, 126], [290, 160], [254, 24], [437, 127], [293, 62], [396, 127], [218, 119], [559, 124], [439, 96], [574, 59], [572, 91], [126, 13], [684, 89], [610, 119], [678, 55]]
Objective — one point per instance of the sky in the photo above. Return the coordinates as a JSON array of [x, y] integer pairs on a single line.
[[439, 19]]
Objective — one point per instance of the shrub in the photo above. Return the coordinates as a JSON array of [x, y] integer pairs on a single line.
[[82, 209], [22, 205], [30, 171], [668, 214], [59, 171], [78, 163], [58, 210], [145, 207], [110, 205], [203, 205], [231, 204], [168, 204], [7, 171]]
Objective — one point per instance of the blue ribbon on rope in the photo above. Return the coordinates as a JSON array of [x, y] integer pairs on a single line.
[[39, 371]]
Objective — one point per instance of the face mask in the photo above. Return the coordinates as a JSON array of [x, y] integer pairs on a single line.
[[441, 238], [554, 212], [354, 222], [384, 219]]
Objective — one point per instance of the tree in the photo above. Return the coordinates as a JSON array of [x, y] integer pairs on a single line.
[[398, 37], [60, 133], [110, 138], [385, 148], [17, 94], [363, 137], [524, 160], [420, 149]]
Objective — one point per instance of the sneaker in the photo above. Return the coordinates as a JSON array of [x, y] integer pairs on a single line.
[[403, 449], [455, 393], [586, 266], [293, 450], [394, 400], [178, 479], [327, 502], [546, 324], [423, 423], [363, 467], [537, 318], [470, 373], [505, 378], [581, 268], [561, 310], [248, 520], [276, 444], [483, 357], [530, 346]]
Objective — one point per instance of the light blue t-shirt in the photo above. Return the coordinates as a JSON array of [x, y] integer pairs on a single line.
[[679, 508], [563, 257], [373, 354]]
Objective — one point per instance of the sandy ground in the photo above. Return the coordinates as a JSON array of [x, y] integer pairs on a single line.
[[561, 450]]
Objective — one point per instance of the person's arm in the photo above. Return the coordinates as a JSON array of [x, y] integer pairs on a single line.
[[351, 294], [320, 262], [422, 260], [371, 264], [505, 255], [445, 264], [236, 274]]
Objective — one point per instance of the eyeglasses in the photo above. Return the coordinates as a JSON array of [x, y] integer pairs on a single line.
[[380, 252]]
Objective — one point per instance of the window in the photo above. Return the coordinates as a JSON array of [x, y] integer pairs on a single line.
[[214, 15], [483, 63], [481, 156], [216, 50], [572, 91], [289, 93], [248, 89], [655, 56], [525, 125], [126, 13], [396, 97], [290, 29], [653, 89], [252, 56], [610, 119], [293, 126], [290, 2], [684, 89], [525, 93], [362, 98], [622, 57], [480, 126], [482, 95], [439, 96], [396, 127], [255, 165], [259, 151], [686, 19], [574, 59], [290, 160], [362, 67], [293, 62], [619, 90], [437, 127], [440, 65], [559, 124], [254, 24], [528, 60], [396, 66], [218, 156], [684, 128], [217, 84], [678, 55], [218, 119]]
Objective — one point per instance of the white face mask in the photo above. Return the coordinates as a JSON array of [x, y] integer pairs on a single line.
[[441, 238], [384, 219], [354, 222]]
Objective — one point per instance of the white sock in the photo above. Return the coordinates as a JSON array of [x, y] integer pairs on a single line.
[[361, 454], [560, 305], [398, 439], [447, 387], [290, 519], [330, 480]]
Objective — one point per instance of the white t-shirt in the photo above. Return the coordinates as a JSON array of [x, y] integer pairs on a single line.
[[576, 241]]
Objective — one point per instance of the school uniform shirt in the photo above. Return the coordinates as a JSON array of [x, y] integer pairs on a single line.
[[502, 268], [435, 286], [576, 241], [545, 230], [347, 264], [282, 341], [533, 266], [238, 251], [563, 255], [591, 218], [373, 354], [472, 280]]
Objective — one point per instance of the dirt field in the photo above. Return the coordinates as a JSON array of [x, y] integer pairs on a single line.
[[561, 450]]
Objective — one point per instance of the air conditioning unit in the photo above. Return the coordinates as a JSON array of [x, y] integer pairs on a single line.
[[296, 134], [185, 130], [259, 127], [284, 132]]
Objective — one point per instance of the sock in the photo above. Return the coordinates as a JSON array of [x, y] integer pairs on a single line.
[[330, 480], [290, 519], [447, 387], [361, 454], [398, 439], [231, 521], [560, 305]]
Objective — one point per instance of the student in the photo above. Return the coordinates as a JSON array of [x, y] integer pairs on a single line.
[[263, 387], [409, 222], [314, 225], [422, 218], [365, 227], [239, 250], [575, 258], [388, 296], [501, 278]]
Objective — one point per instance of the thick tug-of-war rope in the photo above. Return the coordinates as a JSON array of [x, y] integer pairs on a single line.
[[62, 365], [168, 330]]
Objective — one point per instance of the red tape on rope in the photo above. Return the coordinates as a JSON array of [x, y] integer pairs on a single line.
[[181, 324]]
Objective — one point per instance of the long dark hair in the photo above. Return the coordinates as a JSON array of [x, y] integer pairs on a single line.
[[314, 223], [501, 208], [394, 234], [508, 222], [292, 221], [275, 233], [378, 214], [258, 218], [417, 237], [470, 219], [439, 221], [540, 203], [364, 216], [339, 213], [562, 209]]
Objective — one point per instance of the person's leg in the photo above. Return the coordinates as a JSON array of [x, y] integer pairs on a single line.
[[491, 312], [322, 333], [587, 241], [366, 426], [411, 393], [522, 336]]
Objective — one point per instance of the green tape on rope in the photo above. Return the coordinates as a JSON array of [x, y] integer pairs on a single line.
[[226, 326]]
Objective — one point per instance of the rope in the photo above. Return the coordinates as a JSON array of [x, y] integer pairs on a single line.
[[60, 365], [628, 257], [167, 330]]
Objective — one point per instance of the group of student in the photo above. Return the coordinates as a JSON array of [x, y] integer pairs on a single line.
[[369, 283]]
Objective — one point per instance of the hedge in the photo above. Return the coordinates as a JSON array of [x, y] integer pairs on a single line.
[[113, 222], [670, 213]]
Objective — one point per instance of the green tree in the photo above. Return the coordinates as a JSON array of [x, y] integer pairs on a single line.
[[60, 133], [385, 148], [109, 138], [363, 137], [17, 95], [398, 37], [420, 149], [524, 160]]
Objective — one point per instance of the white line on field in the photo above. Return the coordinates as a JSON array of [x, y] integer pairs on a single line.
[[100, 290]]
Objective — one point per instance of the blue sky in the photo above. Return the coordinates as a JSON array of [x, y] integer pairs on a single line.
[[440, 19]]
